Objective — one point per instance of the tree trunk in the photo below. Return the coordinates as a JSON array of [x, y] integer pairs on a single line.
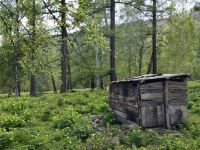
[[69, 80], [17, 51], [65, 63], [154, 43], [54, 84], [150, 64], [33, 22], [32, 86], [140, 61], [105, 14], [101, 85], [112, 42], [17, 76], [99, 82], [130, 62], [99, 59], [92, 82]]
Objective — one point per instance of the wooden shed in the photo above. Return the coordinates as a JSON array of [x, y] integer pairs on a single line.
[[150, 100]]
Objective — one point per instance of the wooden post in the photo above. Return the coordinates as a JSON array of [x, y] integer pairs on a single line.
[[166, 111]]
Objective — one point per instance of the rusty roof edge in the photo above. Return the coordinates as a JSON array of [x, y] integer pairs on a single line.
[[144, 78]]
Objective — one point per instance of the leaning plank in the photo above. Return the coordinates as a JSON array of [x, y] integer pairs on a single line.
[[126, 121], [119, 113]]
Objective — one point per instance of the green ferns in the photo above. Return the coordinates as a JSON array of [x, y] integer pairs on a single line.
[[64, 122]]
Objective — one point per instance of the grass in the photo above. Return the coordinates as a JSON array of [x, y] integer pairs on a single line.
[[80, 119]]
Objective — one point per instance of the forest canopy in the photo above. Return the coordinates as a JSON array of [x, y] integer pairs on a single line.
[[60, 45]]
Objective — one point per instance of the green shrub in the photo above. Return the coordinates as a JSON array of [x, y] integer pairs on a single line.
[[11, 121], [110, 118], [151, 137], [14, 107], [22, 136], [68, 119], [194, 97], [26, 124], [60, 102], [82, 131], [27, 115], [194, 131], [82, 109], [172, 143], [5, 141], [196, 111], [134, 137], [38, 143], [46, 115], [71, 143], [190, 104], [98, 141], [58, 135]]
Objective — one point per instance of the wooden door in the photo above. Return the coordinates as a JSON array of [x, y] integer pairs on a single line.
[[152, 104]]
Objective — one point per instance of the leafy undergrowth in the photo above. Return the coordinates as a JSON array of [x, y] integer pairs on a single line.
[[80, 120]]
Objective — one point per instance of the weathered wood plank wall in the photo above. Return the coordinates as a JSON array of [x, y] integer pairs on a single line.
[[123, 102], [159, 103]]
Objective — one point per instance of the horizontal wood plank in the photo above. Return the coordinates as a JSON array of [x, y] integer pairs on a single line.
[[151, 103], [155, 85], [152, 90], [152, 96], [177, 96]]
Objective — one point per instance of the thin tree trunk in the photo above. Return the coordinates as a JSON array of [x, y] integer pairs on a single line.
[[135, 65], [154, 23], [140, 61], [99, 82], [92, 82], [105, 15], [69, 79], [64, 47], [130, 62], [112, 42], [17, 51], [32, 84], [98, 67], [150, 65], [33, 22], [54, 84], [17, 75], [101, 85]]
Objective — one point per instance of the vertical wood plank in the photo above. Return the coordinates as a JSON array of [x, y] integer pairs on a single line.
[[166, 105]]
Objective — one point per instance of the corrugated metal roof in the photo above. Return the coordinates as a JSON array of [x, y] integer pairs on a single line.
[[148, 77]]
